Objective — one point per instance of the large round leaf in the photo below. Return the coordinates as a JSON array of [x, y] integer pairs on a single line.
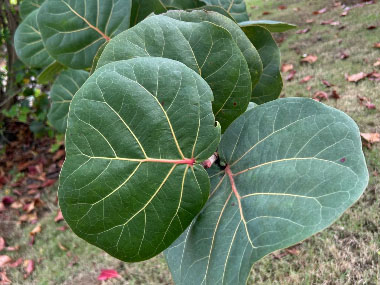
[[293, 167], [137, 129], [28, 6], [236, 8], [205, 47], [28, 43], [73, 31], [246, 47], [270, 84], [62, 92]]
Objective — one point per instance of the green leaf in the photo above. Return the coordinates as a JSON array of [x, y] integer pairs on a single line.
[[271, 26], [28, 43], [142, 9], [205, 47], [236, 8], [73, 31], [61, 94], [182, 4], [293, 167], [216, 9], [270, 84], [135, 128], [28, 6], [248, 50], [97, 57], [50, 72]]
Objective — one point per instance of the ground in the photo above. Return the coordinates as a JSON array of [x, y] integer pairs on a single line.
[[348, 252]]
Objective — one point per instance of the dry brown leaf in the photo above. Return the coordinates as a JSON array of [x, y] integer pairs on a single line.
[[377, 63], [309, 21], [287, 67], [61, 247], [266, 13], [371, 137], [377, 45], [17, 263], [4, 278], [36, 230], [306, 79], [343, 55], [309, 58], [28, 267], [323, 10], [320, 95], [2, 243], [59, 216], [304, 31], [372, 27], [4, 259], [345, 13], [290, 75], [326, 83], [356, 77], [335, 95], [282, 7]]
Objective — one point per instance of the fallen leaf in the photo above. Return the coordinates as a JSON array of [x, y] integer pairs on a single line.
[[309, 58], [344, 13], [17, 205], [370, 105], [292, 251], [4, 278], [323, 10], [377, 45], [373, 75], [59, 216], [356, 77], [2, 243], [4, 259], [304, 31], [336, 23], [371, 137], [335, 95], [309, 21], [48, 183], [306, 79], [296, 9], [58, 155], [266, 13], [320, 95], [282, 7], [28, 218], [17, 263], [377, 63], [108, 274], [286, 67], [61, 247], [290, 75], [36, 230], [12, 248], [28, 267], [372, 27], [343, 55], [328, 84], [62, 229], [7, 200], [327, 22]]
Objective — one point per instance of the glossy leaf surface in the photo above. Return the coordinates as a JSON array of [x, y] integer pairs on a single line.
[[271, 26], [28, 43], [28, 6], [73, 31], [205, 47], [270, 83], [182, 4], [246, 47], [50, 72], [137, 129], [142, 9], [61, 94], [293, 167], [236, 8]]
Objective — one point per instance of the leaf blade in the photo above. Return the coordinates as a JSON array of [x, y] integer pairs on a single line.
[[143, 163], [280, 170]]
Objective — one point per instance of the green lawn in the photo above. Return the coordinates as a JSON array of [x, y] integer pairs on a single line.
[[348, 252]]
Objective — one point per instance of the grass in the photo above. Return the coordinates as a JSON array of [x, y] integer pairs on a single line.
[[348, 252]]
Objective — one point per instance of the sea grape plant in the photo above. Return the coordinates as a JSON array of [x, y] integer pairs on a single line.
[[175, 139]]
